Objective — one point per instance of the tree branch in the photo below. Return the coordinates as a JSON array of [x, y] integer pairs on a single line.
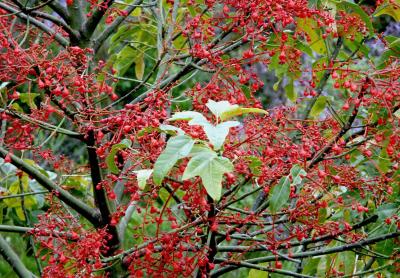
[[89, 213], [42, 124], [60, 39], [90, 25], [307, 254], [12, 258], [100, 195], [60, 10]]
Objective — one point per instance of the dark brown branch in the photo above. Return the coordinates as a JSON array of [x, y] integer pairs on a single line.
[[100, 194]]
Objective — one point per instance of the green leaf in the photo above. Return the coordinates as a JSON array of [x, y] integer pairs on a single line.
[[311, 266], [142, 177], [200, 149], [224, 110], [305, 48], [139, 66], [279, 194], [29, 99], [194, 118], [177, 148], [218, 108], [169, 128], [393, 44], [310, 27], [125, 58], [291, 94], [256, 273], [240, 111], [110, 162], [20, 213], [211, 169], [389, 9], [217, 134], [318, 106]]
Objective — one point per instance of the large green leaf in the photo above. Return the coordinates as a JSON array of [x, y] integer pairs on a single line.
[[177, 148], [279, 194], [210, 168], [110, 162], [220, 107]]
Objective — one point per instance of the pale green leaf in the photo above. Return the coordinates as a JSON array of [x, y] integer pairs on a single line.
[[397, 113], [200, 150], [210, 168], [220, 107], [240, 111], [255, 165], [256, 273], [177, 148], [194, 118], [217, 134], [169, 128], [142, 177]]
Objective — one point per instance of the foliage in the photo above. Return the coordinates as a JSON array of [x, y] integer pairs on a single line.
[[135, 139]]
